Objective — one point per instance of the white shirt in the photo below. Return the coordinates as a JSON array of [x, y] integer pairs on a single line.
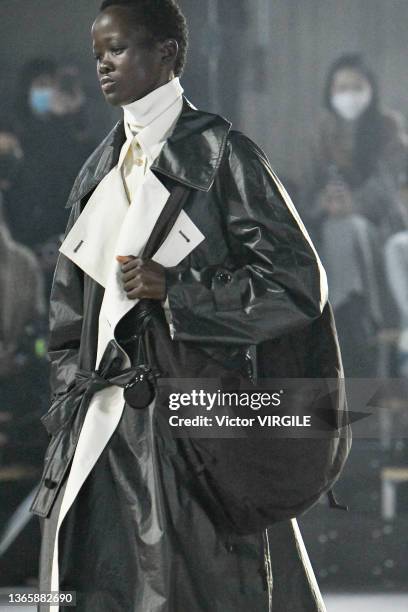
[[148, 123]]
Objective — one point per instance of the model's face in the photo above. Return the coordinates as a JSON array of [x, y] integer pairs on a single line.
[[129, 64]]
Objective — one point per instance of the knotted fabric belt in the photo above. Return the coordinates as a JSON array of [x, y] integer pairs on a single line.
[[137, 381]]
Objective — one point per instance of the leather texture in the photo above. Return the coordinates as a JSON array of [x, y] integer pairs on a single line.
[[255, 281]]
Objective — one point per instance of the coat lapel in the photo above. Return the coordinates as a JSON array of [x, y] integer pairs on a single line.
[[193, 153], [152, 227], [137, 226], [191, 156], [92, 240], [104, 231], [107, 225]]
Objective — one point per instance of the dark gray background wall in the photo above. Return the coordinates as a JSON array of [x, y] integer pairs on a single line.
[[259, 62]]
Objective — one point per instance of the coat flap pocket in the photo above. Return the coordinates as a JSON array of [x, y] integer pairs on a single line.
[[183, 238]]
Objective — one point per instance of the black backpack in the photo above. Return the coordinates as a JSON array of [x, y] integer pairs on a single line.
[[246, 484]]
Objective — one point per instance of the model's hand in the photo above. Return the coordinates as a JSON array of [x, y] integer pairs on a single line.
[[142, 278]]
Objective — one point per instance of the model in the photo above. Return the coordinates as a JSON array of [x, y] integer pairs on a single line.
[[182, 251]]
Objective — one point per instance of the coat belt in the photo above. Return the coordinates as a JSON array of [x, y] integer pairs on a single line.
[[64, 419], [87, 383]]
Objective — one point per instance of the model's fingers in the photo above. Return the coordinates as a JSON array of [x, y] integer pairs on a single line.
[[132, 264], [128, 276], [133, 284], [131, 267], [136, 294], [124, 258]]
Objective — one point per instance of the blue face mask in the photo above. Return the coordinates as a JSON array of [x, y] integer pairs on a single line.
[[40, 99]]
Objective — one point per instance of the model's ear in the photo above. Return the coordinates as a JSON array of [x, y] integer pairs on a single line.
[[169, 49]]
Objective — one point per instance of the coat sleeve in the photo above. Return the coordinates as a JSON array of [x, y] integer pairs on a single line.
[[65, 319], [278, 284]]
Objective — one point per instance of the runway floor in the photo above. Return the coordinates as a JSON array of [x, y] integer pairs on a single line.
[[367, 603], [334, 603]]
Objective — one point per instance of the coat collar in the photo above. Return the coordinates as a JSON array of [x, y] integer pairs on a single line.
[[191, 156]]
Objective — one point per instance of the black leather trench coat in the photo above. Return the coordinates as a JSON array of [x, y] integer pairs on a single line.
[[254, 279]]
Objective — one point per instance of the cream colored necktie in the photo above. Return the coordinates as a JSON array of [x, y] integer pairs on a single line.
[[134, 168]]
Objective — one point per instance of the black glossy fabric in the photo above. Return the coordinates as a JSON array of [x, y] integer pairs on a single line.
[[136, 539], [116, 562]]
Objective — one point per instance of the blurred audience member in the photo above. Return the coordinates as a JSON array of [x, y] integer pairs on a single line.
[[52, 123], [11, 158], [396, 259], [69, 104], [21, 298], [361, 147], [352, 203], [22, 351]]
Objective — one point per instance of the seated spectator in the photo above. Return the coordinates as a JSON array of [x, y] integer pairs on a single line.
[[351, 204], [359, 146], [22, 309], [396, 261], [23, 395], [53, 127]]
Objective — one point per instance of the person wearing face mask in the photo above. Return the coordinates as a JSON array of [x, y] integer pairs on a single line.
[[350, 103], [351, 204], [40, 185], [360, 146], [52, 125], [41, 95]]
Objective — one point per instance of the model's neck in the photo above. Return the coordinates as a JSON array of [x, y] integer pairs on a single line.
[[142, 112]]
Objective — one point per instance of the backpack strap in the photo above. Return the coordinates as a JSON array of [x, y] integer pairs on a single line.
[[333, 503]]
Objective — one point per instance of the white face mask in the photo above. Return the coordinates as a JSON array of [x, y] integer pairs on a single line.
[[351, 104]]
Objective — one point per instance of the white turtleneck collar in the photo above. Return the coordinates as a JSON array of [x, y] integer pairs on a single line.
[[143, 112]]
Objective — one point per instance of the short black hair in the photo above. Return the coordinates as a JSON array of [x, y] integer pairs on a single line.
[[163, 19]]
